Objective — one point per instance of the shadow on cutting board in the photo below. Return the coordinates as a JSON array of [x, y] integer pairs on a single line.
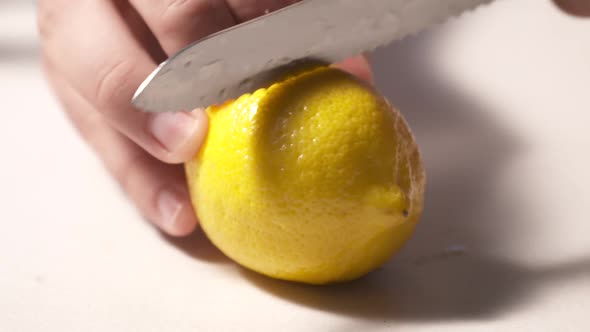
[[447, 270], [197, 246], [462, 288]]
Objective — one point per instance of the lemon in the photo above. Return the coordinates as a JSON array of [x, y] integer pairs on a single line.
[[315, 179]]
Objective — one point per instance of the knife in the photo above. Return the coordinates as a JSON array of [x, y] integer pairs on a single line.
[[245, 57]]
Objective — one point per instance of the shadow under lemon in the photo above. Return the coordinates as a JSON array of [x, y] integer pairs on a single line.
[[198, 246], [448, 269], [453, 288]]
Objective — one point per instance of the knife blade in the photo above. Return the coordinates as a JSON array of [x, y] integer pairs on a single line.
[[243, 58]]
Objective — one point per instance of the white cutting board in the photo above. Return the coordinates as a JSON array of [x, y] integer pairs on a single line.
[[499, 101]]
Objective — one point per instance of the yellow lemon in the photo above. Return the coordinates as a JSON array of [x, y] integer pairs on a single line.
[[315, 179]]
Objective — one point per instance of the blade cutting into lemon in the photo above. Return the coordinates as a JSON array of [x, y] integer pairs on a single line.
[[315, 179]]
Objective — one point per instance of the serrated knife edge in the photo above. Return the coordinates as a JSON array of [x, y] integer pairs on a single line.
[[240, 59]]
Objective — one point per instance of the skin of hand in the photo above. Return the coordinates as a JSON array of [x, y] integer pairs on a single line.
[[96, 53]]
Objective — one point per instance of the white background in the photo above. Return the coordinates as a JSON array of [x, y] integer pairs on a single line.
[[499, 101]]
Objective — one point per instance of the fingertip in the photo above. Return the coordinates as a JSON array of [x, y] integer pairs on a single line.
[[176, 214], [358, 66], [194, 143], [179, 134], [186, 222]]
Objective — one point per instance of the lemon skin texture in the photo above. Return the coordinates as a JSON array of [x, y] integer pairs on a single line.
[[315, 179]]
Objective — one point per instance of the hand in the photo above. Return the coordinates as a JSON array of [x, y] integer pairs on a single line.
[[96, 53]]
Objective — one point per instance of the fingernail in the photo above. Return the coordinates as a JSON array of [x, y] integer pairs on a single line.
[[173, 129], [169, 206]]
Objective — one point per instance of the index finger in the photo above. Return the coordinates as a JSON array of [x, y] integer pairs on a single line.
[[92, 47]]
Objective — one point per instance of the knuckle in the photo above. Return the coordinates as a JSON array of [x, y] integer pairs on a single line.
[[176, 12], [46, 18], [112, 83], [50, 13]]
